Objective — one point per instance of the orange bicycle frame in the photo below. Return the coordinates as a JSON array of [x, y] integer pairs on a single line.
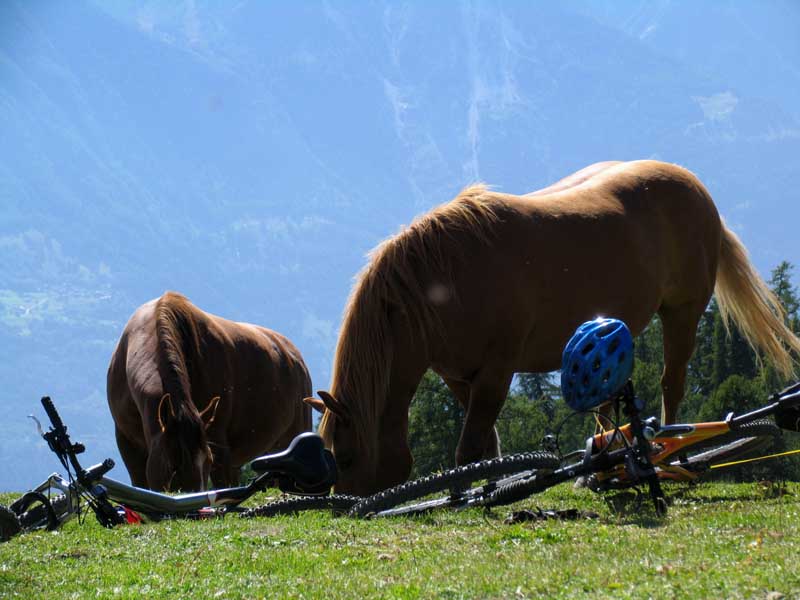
[[668, 442]]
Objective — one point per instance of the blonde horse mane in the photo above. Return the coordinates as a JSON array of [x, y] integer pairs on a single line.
[[406, 272]]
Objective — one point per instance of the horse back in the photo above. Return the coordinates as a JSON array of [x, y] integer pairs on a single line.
[[262, 386], [625, 241], [171, 346], [133, 384]]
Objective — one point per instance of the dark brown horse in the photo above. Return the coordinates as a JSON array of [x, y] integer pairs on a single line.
[[490, 284], [193, 395]]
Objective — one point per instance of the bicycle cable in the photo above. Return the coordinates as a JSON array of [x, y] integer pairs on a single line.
[[747, 460], [615, 429]]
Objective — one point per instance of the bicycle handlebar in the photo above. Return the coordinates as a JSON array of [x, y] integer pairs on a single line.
[[53, 415], [59, 442]]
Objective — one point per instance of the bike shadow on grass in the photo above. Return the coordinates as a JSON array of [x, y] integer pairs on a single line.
[[759, 491], [633, 507]]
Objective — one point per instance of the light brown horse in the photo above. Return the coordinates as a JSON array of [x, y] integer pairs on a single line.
[[490, 284], [193, 395]]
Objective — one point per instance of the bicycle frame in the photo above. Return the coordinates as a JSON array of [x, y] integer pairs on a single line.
[[299, 470], [608, 454], [147, 504], [668, 441]]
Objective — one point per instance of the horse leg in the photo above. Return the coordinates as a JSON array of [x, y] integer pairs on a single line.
[[395, 455], [680, 329], [223, 472], [134, 457], [460, 390], [487, 393]]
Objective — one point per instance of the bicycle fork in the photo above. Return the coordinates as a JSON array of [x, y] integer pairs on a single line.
[[637, 461]]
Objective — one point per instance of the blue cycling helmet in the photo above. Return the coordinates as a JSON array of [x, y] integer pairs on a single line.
[[596, 363]]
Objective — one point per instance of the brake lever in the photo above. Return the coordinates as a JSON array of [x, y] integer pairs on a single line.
[[38, 425]]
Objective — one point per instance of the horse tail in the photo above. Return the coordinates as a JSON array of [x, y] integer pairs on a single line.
[[177, 334], [743, 297]]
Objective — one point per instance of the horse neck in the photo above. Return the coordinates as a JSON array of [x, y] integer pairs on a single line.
[[360, 380], [177, 323], [377, 386]]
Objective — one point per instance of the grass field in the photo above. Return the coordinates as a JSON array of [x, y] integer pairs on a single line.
[[719, 541]]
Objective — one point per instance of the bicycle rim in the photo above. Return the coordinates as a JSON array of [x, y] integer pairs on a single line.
[[337, 503], [38, 516], [452, 488]]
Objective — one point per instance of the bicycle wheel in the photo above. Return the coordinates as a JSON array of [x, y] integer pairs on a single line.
[[337, 503], [37, 514], [456, 483], [747, 440], [9, 524]]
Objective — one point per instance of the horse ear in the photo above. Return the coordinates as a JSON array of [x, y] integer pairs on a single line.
[[316, 404], [336, 407], [210, 412], [165, 412]]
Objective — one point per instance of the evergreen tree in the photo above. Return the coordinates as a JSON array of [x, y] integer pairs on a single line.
[[781, 284], [434, 426], [523, 423], [541, 388], [699, 375], [732, 354], [719, 352], [648, 366]]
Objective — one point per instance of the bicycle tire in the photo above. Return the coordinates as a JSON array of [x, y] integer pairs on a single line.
[[9, 524], [383, 503], [514, 491], [737, 444], [338, 503], [38, 517]]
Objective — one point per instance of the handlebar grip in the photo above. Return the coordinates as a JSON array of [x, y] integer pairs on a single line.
[[52, 413], [107, 465], [96, 472]]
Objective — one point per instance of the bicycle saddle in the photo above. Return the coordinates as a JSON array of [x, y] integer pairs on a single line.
[[305, 467]]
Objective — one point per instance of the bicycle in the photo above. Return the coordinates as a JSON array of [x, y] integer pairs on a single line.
[[305, 469], [642, 452]]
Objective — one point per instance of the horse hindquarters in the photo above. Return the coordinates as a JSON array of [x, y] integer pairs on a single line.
[[125, 414]]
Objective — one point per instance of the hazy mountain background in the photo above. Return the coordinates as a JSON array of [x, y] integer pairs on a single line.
[[249, 154]]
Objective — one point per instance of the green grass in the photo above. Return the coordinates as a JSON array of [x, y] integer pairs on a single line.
[[719, 541]]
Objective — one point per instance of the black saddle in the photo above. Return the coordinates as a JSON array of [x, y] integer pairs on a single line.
[[305, 467]]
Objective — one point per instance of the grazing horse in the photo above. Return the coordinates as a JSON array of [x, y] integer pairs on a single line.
[[490, 284], [194, 395]]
